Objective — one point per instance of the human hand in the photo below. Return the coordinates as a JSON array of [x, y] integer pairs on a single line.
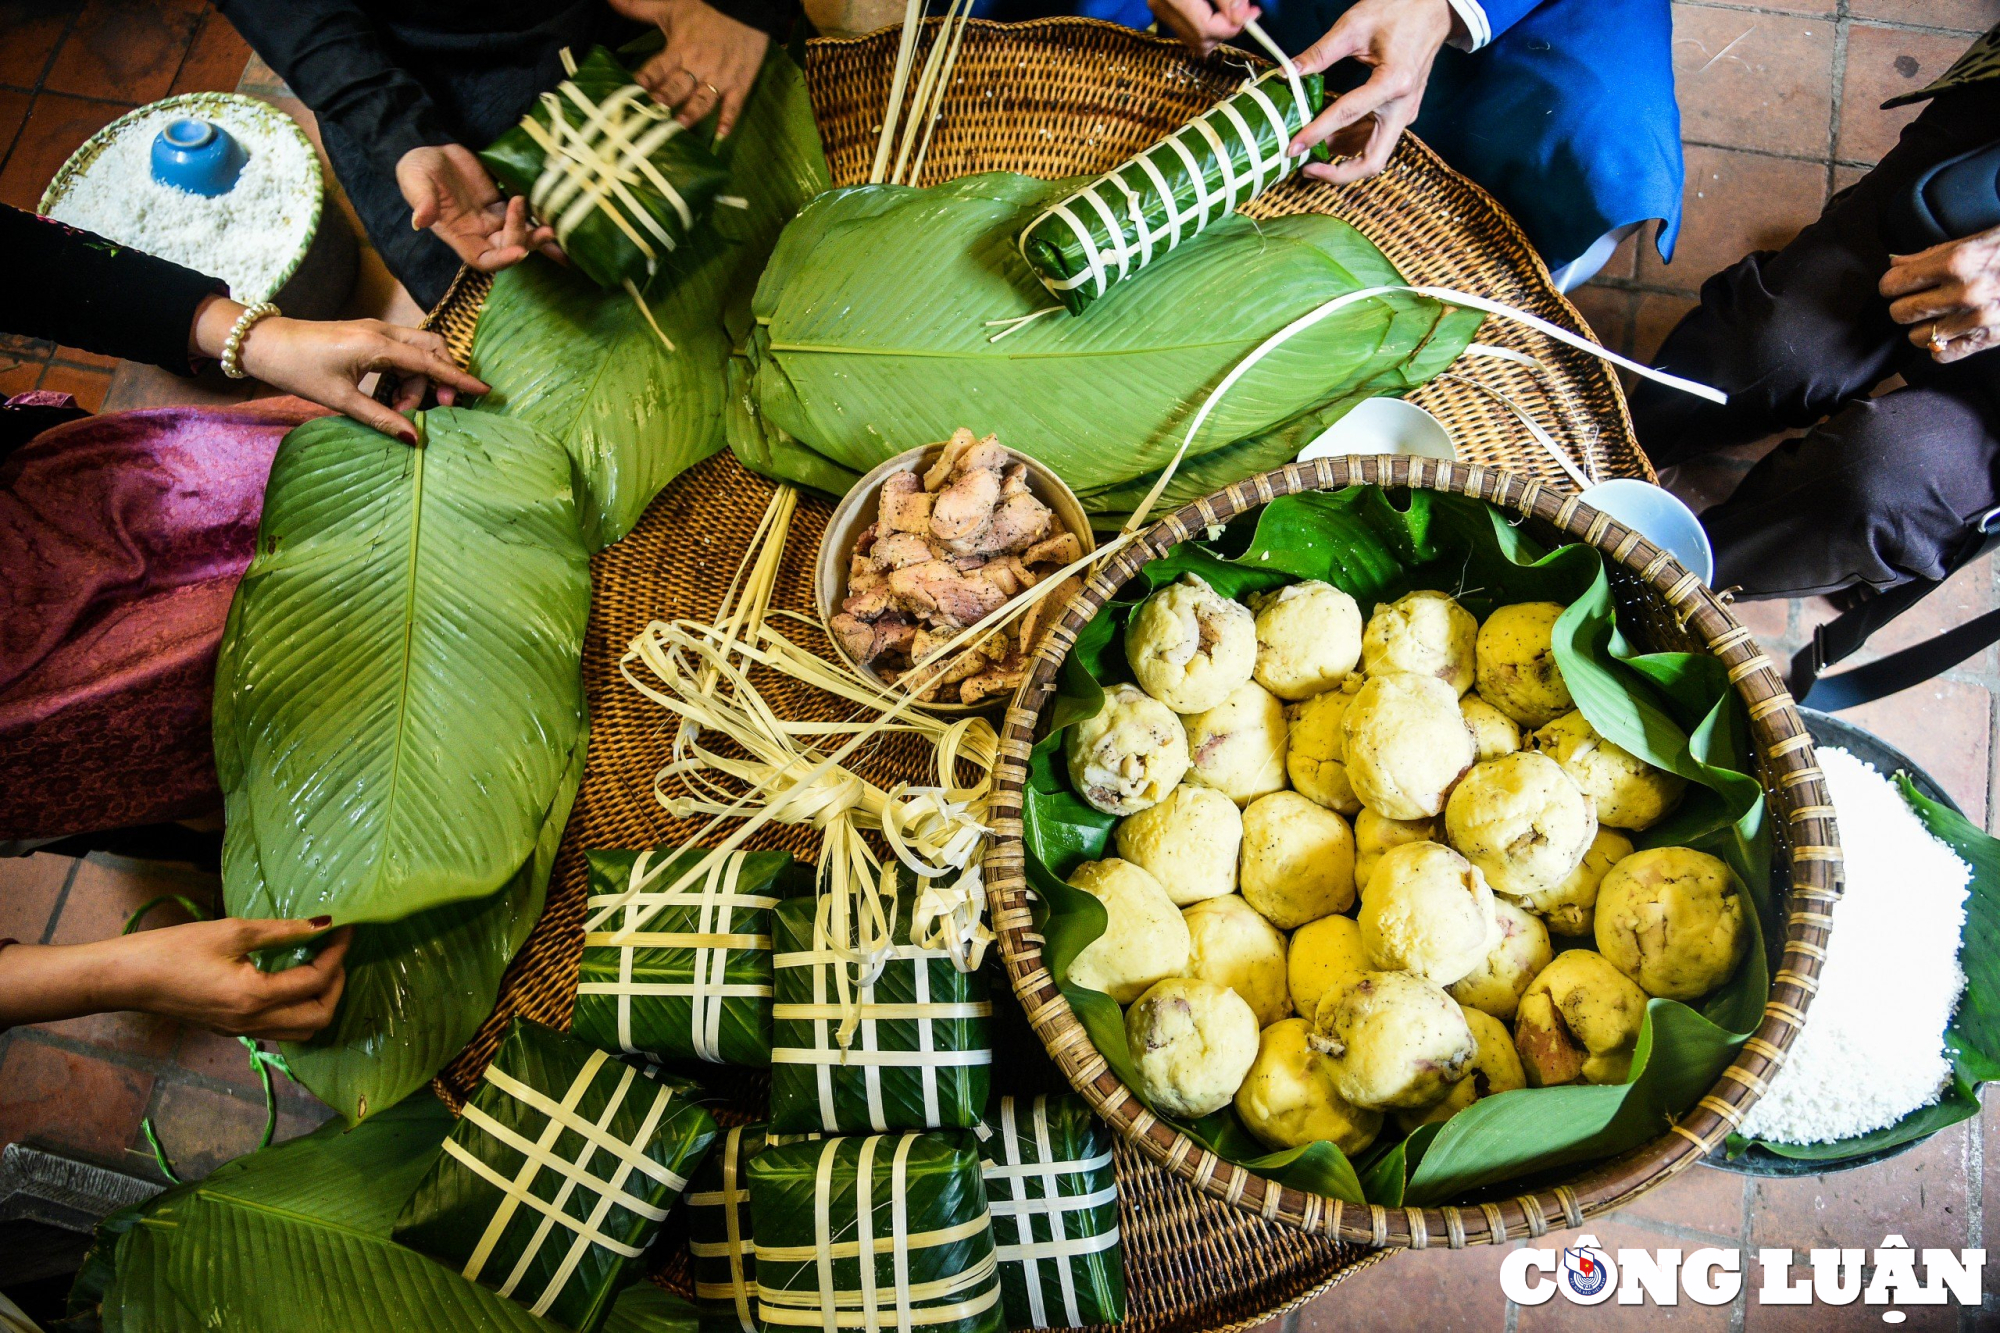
[[324, 361], [449, 192], [710, 59], [1202, 25], [1399, 40], [197, 973], [1949, 295]]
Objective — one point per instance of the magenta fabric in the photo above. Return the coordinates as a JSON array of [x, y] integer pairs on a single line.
[[122, 538]]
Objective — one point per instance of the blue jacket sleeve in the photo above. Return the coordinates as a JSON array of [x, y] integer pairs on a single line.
[[1504, 14]]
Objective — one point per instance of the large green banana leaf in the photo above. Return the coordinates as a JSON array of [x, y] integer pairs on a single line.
[[399, 692], [296, 1237], [584, 364], [877, 316]]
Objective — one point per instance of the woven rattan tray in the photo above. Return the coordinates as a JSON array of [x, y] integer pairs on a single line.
[[1051, 98]]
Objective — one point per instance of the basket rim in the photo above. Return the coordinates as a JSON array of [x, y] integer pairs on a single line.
[[1795, 790]]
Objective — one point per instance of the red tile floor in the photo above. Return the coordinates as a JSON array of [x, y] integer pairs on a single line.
[[1779, 109]]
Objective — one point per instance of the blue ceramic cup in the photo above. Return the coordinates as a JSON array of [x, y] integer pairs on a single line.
[[198, 156]]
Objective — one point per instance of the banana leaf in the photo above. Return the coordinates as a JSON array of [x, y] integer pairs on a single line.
[[673, 988], [877, 319], [878, 1082], [1120, 223], [921, 1200], [1053, 1193], [557, 1175], [589, 367], [722, 1230], [1668, 708], [1973, 1036], [399, 695], [622, 183]]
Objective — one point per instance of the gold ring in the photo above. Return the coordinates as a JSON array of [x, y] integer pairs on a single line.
[[1932, 340], [712, 88]]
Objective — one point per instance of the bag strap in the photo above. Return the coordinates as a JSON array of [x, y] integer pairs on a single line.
[[1846, 634]]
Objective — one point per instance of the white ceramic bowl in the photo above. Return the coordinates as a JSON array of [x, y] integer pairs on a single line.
[[1659, 515], [1383, 426]]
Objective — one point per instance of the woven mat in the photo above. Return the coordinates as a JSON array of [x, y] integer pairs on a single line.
[[1051, 98]]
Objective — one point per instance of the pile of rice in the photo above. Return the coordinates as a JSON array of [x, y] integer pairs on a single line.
[[247, 237], [1872, 1049]]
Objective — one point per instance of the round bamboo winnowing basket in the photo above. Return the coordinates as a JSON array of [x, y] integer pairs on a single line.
[[1052, 98], [1662, 607]]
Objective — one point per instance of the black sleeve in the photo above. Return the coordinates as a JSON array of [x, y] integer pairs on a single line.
[[76, 288], [332, 56]]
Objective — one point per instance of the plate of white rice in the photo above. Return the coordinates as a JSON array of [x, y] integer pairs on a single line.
[[253, 237]]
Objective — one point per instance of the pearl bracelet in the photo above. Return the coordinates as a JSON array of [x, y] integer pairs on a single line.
[[232, 346]]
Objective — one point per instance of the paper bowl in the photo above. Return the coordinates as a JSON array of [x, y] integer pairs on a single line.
[[859, 508]]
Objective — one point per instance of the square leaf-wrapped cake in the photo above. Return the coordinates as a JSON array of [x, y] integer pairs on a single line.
[[722, 1234], [878, 1233], [1053, 1192], [919, 1057], [611, 170], [675, 970], [557, 1176]]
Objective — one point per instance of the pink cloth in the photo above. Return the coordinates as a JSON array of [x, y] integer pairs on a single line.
[[122, 538]]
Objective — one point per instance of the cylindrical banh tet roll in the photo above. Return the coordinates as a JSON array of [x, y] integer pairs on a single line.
[[1133, 215]]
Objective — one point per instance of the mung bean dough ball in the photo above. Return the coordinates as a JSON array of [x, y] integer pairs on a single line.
[[1375, 833], [1630, 793], [1520, 819], [1428, 911], [1425, 634], [1192, 1042], [1308, 638], [1189, 842], [1517, 671], [1233, 946], [1495, 986], [1190, 646], [1144, 937], [1397, 1042], [1238, 746], [1570, 907], [1316, 748], [1493, 732], [1298, 860], [1578, 1022], [1496, 1068], [1406, 745], [1130, 755], [1324, 954], [1289, 1099], [1671, 919]]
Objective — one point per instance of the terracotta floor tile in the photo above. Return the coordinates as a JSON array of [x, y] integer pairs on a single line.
[[201, 1129], [218, 1057], [1920, 1196], [1438, 1291], [1769, 621], [109, 889], [1882, 63], [1734, 203], [1752, 80], [1837, 1319], [55, 128], [30, 31], [74, 1102], [1946, 726], [215, 58], [130, 1033], [1653, 318], [77, 356], [1624, 261], [1558, 1312], [86, 385], [1608, 311], [1699, 1199], [125, 50], [1968, 16], [1968, 593], [20, 373], [13, 113], [30, 887]]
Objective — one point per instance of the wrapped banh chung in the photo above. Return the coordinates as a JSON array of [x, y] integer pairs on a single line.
[[557, 1176], [1053, 1193], [611, 170], [1201, 173], [680, 970], [919, 1058], [884, 1232]]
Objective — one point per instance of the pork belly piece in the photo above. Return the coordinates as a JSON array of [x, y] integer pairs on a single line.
[[906, 505], [1061, 549], [935, 591], [899, 549]]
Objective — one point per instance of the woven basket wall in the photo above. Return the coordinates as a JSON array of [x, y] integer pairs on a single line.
[[1054, 98]]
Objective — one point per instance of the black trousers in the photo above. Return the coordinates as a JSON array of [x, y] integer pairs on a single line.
[[1877, 490]]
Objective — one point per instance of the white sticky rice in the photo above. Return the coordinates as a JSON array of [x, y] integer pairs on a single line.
[[247, 237], [1872, 1049]]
